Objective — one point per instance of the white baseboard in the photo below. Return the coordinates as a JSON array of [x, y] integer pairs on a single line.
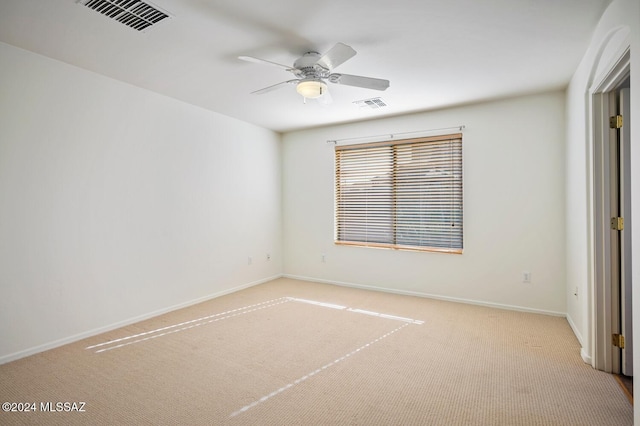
[[89, 333], [430, 296], [583, 352], [575, 330], [585, 357]]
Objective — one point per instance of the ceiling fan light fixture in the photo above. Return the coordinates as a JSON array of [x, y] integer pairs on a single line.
[[311, 88]]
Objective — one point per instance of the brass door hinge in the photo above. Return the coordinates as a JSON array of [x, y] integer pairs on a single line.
[[617, 223], [617, 340], [615, 122]]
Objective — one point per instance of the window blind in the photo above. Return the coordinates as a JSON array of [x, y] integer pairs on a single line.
[[404, 194]]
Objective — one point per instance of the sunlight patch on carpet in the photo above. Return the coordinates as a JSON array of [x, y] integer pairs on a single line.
[[187, 325], [314, 372]]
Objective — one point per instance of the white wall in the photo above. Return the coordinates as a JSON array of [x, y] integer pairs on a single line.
[[513, 154], [117, 203]]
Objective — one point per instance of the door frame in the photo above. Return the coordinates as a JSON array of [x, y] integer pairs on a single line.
[[603, 324]]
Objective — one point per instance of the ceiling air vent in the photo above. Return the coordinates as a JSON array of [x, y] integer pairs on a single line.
[[133, 13], [373, 103]]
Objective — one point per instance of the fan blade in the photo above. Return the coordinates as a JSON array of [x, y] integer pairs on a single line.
[[337, 55], [262, 61], [359, 81], [274, 87]]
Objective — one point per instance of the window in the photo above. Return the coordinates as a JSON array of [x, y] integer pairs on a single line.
[[404, 194]]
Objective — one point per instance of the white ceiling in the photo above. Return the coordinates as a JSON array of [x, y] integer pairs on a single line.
[[436, 54]]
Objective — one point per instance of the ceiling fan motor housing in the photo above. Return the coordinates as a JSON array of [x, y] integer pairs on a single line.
[[308, 67]]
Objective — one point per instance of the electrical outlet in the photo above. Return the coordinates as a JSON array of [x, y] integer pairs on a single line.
[[526, 277], [268, 257], [324, 258], [249, 260]]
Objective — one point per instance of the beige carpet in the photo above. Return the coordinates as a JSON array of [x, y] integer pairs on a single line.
[[272, 355]]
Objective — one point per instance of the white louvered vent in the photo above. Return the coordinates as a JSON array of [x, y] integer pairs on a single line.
[[136, 14], [373, 103]]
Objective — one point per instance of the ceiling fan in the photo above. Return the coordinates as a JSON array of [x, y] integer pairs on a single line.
[[313, 70]]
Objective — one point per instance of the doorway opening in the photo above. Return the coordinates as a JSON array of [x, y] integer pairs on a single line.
[[612, 331]]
